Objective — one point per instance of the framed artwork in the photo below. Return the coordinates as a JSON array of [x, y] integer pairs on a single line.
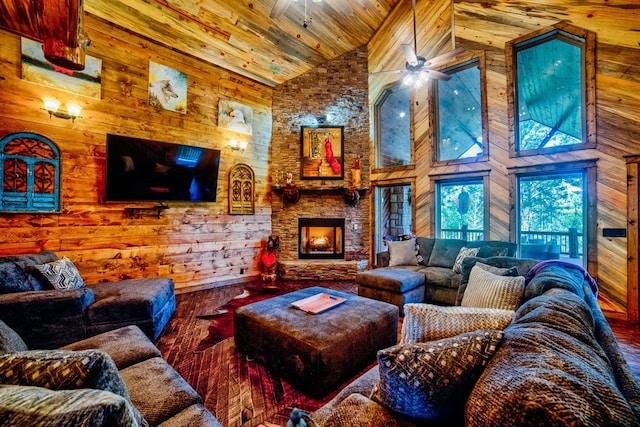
[[167, 88], [36, 69], [235, 116], [321, 152]]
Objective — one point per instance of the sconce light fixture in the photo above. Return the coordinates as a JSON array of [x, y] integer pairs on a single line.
[[55, 108], [236, 145]]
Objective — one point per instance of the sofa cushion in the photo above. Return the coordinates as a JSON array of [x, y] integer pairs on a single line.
[[157, 390], [402, 252], [61, 274], [432, 380], [442, 277], [428, 322], [444, 252], [550, 351], [464, 253], [425, 246], [393, 279], [489, 290], [487, 251], [16, 272], [367, 412], [10, 341], [126, 346], [488, 246], [128, 301], [38, 406]]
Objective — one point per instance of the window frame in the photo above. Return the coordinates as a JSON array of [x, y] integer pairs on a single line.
[[589, 168], [460, 65], [589, 90], [377, 239], [377, 127], [458, 178]]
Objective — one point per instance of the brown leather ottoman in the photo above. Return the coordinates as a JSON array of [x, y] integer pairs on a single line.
[[315, 352]]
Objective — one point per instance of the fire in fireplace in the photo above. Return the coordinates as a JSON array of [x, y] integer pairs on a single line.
[[321, 238]]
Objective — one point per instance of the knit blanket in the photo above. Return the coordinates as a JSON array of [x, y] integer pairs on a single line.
[[558, 364]]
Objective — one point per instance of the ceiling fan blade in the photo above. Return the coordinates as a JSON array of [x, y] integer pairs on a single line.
[[386, 72], [278, 8], [409, 54], [444, 57], [438, 75]]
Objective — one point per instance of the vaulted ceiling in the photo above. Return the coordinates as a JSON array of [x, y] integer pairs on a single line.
[[238, 35]]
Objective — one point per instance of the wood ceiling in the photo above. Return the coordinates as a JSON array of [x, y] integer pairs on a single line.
[[240, 35]]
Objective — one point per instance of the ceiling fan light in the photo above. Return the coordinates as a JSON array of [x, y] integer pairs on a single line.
[[423, 76], [408, 80]]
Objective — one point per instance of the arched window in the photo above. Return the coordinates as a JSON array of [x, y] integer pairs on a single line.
[[30, 171], [241, 190], [551, 85]]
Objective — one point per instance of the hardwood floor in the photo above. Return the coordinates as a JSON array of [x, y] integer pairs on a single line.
[[185, 331]]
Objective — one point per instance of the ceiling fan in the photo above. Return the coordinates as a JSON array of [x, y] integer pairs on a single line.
[[417, 68]]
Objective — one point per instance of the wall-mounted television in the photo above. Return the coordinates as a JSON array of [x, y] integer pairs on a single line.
[[144, 170]]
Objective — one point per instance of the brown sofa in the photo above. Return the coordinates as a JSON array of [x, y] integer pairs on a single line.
[[117, 378]]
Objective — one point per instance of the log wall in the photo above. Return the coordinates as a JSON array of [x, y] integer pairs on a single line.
[[482, 26], [197, 244]]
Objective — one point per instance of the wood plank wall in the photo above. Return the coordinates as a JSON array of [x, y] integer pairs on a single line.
[[482, 26], [197, 244]]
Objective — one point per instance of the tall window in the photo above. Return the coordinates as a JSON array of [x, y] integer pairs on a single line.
[[552, 81], [460, 208], [393, 127], [552, 213], [393, 213], [459, 114]]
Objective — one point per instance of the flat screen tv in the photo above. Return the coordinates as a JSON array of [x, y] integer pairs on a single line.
[[144, 170]]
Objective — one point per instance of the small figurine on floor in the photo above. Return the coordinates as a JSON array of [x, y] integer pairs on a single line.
[[268, 259]]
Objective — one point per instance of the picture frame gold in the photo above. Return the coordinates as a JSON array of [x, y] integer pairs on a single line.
[[322, 152]]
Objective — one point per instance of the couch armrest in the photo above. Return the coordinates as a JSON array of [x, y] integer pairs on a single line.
[[47, 319], [382, 259]]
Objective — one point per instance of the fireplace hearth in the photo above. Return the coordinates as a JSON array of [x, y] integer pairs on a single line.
[[321, 238]]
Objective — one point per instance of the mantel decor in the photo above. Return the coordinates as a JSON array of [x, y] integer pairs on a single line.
[[321, 152]]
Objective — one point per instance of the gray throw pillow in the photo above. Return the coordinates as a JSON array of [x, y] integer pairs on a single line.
[[61, 274], [402, 252], [431, 381], [10, 341]]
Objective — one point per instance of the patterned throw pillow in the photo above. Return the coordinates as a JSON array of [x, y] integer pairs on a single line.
[[428, 322], [64, 370], [489, 290], [464, 252], [432, 380], [402, 252], [62, 274]]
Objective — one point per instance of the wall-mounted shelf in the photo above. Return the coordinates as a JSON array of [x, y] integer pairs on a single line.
[[137, 211]]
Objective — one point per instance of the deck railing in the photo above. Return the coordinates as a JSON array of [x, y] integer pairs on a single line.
[[570, 241]]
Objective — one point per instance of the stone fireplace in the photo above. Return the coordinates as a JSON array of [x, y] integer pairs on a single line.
[[321, 238]]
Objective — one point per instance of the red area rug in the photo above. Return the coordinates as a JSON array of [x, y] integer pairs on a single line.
[[221, 322]]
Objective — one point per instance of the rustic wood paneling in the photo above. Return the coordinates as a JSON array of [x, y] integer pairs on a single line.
[[197, 244], [487, 26]]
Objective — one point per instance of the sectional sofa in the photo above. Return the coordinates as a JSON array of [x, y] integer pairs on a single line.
[[555, 363], [117, 378], [423, 269]]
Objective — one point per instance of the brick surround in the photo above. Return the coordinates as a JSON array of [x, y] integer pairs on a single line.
[[337, 90]]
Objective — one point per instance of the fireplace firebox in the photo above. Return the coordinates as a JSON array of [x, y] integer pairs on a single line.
[[321, 238]]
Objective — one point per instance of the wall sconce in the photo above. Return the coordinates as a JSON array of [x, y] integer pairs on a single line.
[[236, 145], [68, 111]]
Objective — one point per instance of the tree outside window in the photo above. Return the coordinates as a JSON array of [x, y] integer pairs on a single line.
[[460, 209]]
